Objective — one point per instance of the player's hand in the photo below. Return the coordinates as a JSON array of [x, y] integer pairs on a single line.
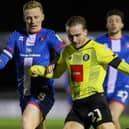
[[50, 68], [37, 70]]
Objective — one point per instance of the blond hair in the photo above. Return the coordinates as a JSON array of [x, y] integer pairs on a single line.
[[32, 4], [74, 20]]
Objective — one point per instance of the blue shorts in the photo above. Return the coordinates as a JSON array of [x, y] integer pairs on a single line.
[[121, 95], [45, 102]]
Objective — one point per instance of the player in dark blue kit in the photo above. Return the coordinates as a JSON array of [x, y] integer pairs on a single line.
[[116, 84], [29, 47]]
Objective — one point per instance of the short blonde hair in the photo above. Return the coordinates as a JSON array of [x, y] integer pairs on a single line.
[[75, 20], [32, 4]]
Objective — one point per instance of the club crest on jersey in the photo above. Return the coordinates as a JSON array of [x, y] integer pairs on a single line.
[[86, 57], [41, 96], [42, 38]]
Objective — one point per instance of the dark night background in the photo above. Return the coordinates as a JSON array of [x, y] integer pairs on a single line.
[[56, 14], [58, 11]]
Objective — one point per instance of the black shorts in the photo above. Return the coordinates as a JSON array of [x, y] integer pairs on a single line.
[[92, 110]]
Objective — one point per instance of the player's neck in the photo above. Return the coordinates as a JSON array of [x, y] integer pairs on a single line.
[[116, 35]]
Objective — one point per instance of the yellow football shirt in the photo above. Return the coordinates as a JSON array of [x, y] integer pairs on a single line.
[[86, 67]]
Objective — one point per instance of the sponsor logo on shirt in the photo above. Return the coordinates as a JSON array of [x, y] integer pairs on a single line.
[[77, 73]]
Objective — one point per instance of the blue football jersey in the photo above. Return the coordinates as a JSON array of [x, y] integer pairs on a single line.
[[116, 81], [30, 49]]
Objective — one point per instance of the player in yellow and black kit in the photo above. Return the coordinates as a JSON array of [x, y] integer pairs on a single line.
[[86, 62]]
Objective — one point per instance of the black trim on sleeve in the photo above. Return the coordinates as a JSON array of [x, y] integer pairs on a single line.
[[114, 63], [54, 61]]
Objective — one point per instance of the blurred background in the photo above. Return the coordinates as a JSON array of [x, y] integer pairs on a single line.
[[56, 14]]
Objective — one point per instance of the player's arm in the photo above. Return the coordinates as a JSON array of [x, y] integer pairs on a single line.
[[106, 56], [5, 56], [37, 70], [120, 65], [116, 62], [7, 52]]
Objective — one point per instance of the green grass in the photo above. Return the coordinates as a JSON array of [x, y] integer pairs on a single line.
[[11, 123], [124, 121], [54, 124]]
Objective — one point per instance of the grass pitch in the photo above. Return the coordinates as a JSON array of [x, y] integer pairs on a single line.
[[14, 123]]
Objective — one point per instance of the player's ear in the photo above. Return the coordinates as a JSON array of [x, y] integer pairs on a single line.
[[122, 25], [43, 17]]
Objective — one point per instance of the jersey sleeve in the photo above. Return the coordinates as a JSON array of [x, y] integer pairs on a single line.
[[105, 54], [7, 52], [60, 66], [124, 67], [56, 42]]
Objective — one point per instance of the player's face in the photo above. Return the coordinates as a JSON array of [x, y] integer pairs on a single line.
[[77, 35], [114, 24], [33, 19]]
